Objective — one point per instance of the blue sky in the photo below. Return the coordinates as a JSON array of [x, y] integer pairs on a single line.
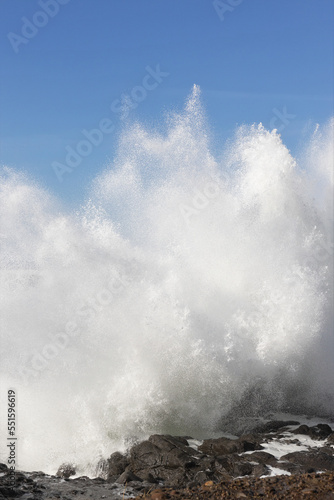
[[63, 67]]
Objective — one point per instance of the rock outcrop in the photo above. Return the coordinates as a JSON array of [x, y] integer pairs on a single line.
[[164, 461]]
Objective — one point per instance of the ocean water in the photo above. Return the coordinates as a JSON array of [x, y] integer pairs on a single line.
[[188, 290]]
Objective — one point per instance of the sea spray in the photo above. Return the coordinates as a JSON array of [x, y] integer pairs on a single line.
[[185, 289]]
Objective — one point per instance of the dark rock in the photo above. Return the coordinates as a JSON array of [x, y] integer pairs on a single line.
[[19, 477], [220, 472], [327, 449], [290, 467], [117, 463], [8, 492], [147, 476], [219, 446], [165, 458], [311, 459], [65, 471], [330, 438], [320, 431], [192, 484], [202, 476], [242, 468], [37, 474], [262, 457], [128, 476], [161, 451], [302, 429], [166, 443], [171, 460], [260, 470], [273, 426], [98, 480], [234, 465], [249, 442], [226, 446]]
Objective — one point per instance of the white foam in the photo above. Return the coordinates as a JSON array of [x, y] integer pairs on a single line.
[[275, 471], [185, 285], [194, 443], [280, 448]]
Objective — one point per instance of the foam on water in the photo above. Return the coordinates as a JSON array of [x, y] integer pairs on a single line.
[[185, 289]]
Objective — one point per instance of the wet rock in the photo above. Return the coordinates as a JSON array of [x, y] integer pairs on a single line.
[[165, 458], [274, 426], [320, 431], [7, 492], [234, 465], [262, 457], [221, 467], [117, 463], [288, 466], [171, 461], [219, 446], [330, 438], [66, 470], [302, 429], [307, 460], [148, 477], [127, 476], [260, 470], [249, 442], [226, 446], [327, 449], [242, 468], [202, 476]]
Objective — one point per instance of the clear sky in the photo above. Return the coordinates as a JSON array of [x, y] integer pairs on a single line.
[[66, 66]]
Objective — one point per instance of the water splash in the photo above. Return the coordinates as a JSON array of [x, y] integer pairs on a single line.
[[186, 289]]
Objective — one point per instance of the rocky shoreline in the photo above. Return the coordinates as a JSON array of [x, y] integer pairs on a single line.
[[275, 458]]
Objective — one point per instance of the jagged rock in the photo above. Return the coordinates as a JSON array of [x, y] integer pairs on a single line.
[[117, 463], [164, 457], [327, 449], [242, 468], [291, 467], [330, 438], [274, 426], [320, 431], [262, 457], [7, 492], [148, 477], [226, 446], [202, 476], [249, 442], [260, 470], [170, 460], [127, 476], [65, 471], [161, 451], [302, 429], [316, 460], [234, 465], [219, 446]]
